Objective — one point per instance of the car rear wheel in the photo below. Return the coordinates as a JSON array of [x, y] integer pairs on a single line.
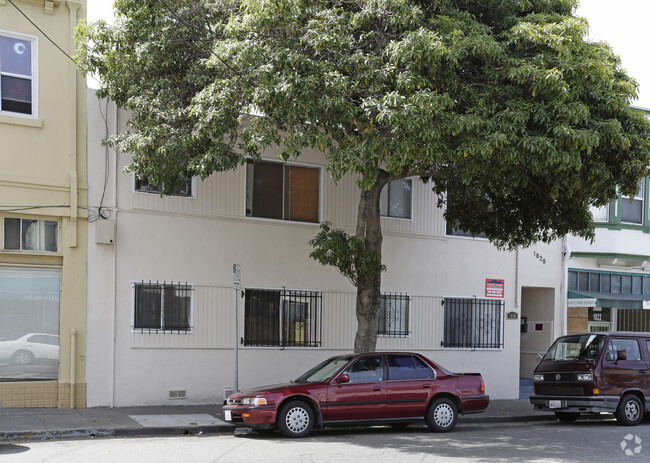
[[442, 415], [629, 411], [566, 417], [296, 419], [22, 357]]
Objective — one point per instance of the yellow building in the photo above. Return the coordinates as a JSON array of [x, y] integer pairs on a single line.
[[43, 209]]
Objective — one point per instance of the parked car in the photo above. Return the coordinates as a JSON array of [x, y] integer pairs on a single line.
[[594, 373], [30, 348], [370, 388]]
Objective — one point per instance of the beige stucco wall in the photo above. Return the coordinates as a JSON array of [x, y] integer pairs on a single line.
[[43, 161]]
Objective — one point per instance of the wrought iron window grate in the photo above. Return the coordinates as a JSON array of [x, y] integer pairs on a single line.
[[282, 318], [162, 307], [473, 323], [393, 320]]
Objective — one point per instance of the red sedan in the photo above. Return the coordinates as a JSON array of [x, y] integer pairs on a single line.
[[371, 388]]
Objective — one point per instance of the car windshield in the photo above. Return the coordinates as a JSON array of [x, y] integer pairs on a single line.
[[576, 347], [325, 370]]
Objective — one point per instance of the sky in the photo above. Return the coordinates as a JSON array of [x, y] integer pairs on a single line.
[[622, 24]]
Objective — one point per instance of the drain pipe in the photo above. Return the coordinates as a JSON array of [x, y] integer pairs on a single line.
[[73, 369]]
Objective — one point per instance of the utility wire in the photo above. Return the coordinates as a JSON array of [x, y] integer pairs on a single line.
[[44, 34]]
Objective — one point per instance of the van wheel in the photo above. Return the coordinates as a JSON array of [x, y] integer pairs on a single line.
[[629, 411], [566, 417]]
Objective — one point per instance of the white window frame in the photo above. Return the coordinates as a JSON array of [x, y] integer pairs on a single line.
[[34, 77], [161, 330], [41, 223], [386, 188], [637, 197], [249, 192]]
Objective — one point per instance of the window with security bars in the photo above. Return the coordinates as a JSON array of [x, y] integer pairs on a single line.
[[282, 318], [473, 323], [394, 315], [162, 307]]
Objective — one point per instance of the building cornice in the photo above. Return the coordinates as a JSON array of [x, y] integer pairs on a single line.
[[48, 5]]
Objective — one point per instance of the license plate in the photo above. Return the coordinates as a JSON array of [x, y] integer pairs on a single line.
[[227, 415], [554, 404]]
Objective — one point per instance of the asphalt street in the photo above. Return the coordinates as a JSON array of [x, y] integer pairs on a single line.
[[598, 440]]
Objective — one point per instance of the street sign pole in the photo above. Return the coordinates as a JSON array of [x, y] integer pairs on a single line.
[[236, 285]]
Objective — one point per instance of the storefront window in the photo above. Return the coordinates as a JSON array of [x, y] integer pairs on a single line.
[[29, 324]]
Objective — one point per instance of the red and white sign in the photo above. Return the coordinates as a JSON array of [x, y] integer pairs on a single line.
[[494, 288]]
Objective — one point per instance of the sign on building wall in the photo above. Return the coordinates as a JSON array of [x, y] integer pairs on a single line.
[[494, 288]]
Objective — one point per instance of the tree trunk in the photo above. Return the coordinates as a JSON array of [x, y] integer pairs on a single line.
[[369, 289]]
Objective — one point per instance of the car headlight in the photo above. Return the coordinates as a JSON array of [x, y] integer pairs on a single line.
[[538, 377], [585, 377], [255, 401]]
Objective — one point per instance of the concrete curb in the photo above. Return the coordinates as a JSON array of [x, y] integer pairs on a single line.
[[198, 430]]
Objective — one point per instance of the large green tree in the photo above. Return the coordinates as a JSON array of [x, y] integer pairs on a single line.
[[501, 103]]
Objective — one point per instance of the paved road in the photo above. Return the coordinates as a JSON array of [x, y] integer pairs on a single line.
[[585, 441]]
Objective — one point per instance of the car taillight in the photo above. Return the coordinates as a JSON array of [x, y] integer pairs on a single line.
[[482, 388]]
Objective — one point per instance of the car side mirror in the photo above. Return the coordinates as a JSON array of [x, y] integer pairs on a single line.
[[340, 379], [621, 354]]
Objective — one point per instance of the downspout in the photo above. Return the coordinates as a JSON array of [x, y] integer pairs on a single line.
[[517, 278], [73, 368], [72, 127], [564, 284], [72, 165], [114, 296]]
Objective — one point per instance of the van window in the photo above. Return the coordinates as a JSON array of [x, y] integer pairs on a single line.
[[576, 347], [631, 347]]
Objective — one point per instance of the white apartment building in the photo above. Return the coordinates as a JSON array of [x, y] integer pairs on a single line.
[[161, 303]]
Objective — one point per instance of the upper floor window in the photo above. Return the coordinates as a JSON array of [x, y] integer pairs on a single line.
[[31, 235], [632, 207], [184, 188], [162, 306], [453, 229], [17, 86], [282, 191], [395, 199], [600, 214]]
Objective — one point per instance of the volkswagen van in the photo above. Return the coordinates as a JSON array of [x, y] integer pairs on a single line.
[[589, 373]]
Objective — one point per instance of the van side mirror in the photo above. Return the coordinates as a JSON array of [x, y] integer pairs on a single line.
[[621, 354]]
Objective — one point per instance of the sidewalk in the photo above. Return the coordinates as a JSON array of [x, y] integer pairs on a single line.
[[53, 423]]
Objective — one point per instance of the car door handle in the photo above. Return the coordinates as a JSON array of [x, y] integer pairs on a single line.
[[376, 389], [426, 386], [643, 371]]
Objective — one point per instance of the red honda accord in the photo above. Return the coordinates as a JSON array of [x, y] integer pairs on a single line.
[[371, 388]]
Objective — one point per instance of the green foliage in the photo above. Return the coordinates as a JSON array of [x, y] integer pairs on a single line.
[[348, 254], [501, 102]]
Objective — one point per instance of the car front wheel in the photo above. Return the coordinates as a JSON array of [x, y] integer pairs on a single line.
[[442, 415], [629, 411], [296, 419]]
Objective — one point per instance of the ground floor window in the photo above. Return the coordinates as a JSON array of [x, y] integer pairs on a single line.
[[473, 323], [162, 307], [29, 324], [282, 318], [394, 315]]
